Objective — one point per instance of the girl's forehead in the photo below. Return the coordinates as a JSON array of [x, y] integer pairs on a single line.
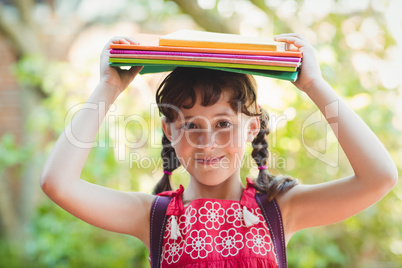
[[223, 104]]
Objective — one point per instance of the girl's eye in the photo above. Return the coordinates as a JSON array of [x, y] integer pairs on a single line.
[[224, 124], [188, 126]]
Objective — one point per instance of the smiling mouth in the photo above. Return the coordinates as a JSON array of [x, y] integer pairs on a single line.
[[209, 160]]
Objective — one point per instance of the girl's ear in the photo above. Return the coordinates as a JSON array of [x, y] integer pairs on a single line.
[[253, 128], [166, 129]]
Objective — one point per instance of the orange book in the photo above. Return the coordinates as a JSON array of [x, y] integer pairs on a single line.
[[191, 38], [151, 42]]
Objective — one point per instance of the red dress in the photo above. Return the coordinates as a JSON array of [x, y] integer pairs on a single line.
[[215, 233]]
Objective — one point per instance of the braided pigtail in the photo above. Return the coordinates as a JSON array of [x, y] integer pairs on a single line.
[[170, 163], [266, 182]]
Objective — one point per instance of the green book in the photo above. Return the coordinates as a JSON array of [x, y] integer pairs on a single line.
[[158, 68]]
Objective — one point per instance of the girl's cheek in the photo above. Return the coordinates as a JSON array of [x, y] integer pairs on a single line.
[[191, 139]]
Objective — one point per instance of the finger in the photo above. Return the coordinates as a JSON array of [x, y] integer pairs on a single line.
[[132, 41], [125, 40], [292, 40], [120, 40], [134, 70], [114, 40], [294, 48]]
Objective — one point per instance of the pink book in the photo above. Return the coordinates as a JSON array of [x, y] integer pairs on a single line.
[[211, 55], [207, 59]]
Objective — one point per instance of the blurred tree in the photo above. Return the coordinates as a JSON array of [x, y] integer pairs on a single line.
[[24, 34], [208, 19], [39, 33]]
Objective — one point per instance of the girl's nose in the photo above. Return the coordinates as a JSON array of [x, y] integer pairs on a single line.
[[206, 140], [202, 139]]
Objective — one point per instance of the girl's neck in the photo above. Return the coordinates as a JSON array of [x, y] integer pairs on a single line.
[[230, 189]]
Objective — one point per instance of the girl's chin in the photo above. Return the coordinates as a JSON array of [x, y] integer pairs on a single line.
[[212, 178], [209, 183]]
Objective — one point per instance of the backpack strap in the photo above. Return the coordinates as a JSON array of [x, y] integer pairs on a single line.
[[275, 225], [158, 225]]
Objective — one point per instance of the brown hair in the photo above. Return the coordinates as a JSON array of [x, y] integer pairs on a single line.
[[180, 90], [183, 85]]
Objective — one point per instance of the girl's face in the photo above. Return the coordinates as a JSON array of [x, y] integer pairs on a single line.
[[210, 141]]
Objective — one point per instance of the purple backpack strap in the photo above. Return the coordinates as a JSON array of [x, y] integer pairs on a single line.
[[158, 225], [275, 225]]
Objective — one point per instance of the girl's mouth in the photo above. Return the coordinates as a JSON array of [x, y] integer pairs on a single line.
[[209, 160]]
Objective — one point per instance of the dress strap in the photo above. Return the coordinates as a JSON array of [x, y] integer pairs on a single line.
[[175, 206], [275, 224], [248, 197], [158, 225], [247, 201]]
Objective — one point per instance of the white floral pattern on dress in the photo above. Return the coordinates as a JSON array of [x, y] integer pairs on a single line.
[[168, 228], [198, 244], [229, 242], [214, 230], [211, 214], [187, 220], [235, 215], [261, 217], [259, 241], [173, 250]]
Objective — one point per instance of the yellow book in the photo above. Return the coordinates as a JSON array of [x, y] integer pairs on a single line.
[[200, 39]]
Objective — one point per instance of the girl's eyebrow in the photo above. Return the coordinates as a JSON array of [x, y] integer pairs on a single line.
[[216, 115], [225, 115]]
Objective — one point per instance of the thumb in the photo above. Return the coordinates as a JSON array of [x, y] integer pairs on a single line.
[[134, 70]]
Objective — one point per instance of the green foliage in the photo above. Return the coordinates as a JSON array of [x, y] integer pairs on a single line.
[[30, 70], [61, 240], [10, 153]]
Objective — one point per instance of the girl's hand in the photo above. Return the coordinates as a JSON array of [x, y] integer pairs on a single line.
[[310, 69], [113, 76]]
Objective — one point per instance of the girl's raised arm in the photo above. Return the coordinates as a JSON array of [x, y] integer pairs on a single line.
[[374, 171], [106, 208]]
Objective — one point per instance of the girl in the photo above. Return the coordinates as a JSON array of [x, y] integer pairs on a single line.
[[209, 116]]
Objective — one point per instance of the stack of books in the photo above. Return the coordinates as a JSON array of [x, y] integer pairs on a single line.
[[227, 52]]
